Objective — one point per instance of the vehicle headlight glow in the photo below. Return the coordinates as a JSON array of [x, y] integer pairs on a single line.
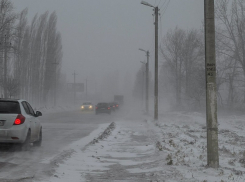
[[82, 107], [90, 107]]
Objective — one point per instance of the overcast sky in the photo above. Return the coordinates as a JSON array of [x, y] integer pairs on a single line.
[[102, 36]]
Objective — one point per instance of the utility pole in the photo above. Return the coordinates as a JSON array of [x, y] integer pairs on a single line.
[[156, 59], [143, 86], [86, 89], [211, 95], [55, 80], [147, 84], [74, 85], [156, 65]]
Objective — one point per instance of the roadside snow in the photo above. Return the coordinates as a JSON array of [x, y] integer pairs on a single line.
[[170, 150]]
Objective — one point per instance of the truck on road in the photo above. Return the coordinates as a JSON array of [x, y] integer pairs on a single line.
[[118, 99]]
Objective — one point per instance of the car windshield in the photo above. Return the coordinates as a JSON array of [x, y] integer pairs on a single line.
[[9, 107], [102, 104], [87, 103]]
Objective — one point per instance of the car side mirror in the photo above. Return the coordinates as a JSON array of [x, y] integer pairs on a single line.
[[38, 113]]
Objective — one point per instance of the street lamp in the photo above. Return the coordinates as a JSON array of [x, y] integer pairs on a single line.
[[147, 81], [156, 59], [147, 4]]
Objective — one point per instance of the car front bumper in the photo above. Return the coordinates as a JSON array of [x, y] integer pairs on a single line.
[[86, 109], [103, 111]]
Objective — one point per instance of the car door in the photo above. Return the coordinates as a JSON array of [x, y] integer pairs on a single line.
[[31, 119]]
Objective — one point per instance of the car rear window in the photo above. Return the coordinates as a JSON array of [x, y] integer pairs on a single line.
[[9, 107], [102, 104]]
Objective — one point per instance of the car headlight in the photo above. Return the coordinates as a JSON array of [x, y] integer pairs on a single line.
[[82, 107], [90, 107]]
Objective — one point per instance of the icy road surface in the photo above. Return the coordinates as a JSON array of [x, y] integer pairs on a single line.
[[59, 130]]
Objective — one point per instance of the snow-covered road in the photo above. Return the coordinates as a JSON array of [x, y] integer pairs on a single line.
[[60, 129], [129, 147]]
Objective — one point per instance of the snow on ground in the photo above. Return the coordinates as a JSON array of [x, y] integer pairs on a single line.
[[170, 150], [184, 140]]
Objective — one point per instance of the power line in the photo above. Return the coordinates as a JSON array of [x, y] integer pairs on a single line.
[[152, 43], [161, 29], [159, 3], [163, 4], [155, 3], [165, 8]]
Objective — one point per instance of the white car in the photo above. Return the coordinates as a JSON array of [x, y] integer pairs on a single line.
[[19, 123], [87, 106]]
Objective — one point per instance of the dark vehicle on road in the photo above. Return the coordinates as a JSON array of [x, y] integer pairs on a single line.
[[103, 108], [119, 99], [19, 124]]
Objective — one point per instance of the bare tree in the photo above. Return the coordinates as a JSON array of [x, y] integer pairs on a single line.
[[34, 49], [19, 39], [193, 56], [38, 57], [231, 37], [12, 87], [172, 52], [7, 20], [49, 67], [183, 56]]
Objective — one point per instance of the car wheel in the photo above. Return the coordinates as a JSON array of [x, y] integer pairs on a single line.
[[39, 142], [26, 145]]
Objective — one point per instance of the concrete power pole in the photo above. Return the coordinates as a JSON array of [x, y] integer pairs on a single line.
[[86, 89], [156, 66], [211, 95], [143, 86], [147, 84], [156, 59]]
